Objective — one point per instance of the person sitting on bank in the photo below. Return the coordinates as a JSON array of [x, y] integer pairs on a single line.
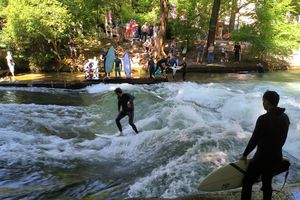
[[125, 101]]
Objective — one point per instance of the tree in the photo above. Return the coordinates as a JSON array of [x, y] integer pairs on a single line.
[[271, 37], [213, 23], [163, 27], [36, 28]]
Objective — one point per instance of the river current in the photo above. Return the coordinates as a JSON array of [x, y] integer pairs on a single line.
[[61, 144]]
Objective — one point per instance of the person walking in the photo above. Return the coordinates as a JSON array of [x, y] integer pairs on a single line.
[[268, 138], [125, 101]]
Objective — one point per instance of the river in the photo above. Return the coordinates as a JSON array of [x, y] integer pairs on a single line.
[[60, 144]]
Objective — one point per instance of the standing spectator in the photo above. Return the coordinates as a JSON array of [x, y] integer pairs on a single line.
[[10, 63], [151, 67], [144, 30], [227, 50], [150, 31], [95, 68], [237, 52], [200, 52], [72, 47], [172, 50], [184, 68], [210, 55], [118, 66], [222, 50], [127, 30]]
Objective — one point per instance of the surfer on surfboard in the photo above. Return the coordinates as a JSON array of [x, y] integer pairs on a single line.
[[268, 137], [125, 101]]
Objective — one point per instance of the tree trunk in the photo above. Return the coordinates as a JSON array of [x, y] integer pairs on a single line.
[[213, 23], [233, 15], [163, 26]]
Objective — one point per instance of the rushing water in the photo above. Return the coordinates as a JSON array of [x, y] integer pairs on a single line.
[[59, 144]]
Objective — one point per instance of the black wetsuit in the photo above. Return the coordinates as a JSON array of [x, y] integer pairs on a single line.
[[151, 66], [269, 136], [184, 69], [123, 102], [159, 64]]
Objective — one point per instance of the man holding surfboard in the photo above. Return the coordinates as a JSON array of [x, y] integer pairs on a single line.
[[126, 102], [268, 137]]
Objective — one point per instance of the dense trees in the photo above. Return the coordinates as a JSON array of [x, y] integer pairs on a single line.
[[38, 30]]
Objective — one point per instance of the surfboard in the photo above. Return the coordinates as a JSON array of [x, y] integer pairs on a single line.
[[224, 178], [110, 58], [231, 176], [184, 51], [175, 68], [127, 65]]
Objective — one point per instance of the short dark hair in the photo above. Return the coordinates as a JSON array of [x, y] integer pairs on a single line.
[[118, 90], [272, 97]]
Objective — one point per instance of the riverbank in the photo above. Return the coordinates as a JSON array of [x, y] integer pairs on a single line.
[[139, 76]]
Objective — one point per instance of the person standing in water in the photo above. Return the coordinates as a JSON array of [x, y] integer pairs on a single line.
[[125, 101], [268, 137]]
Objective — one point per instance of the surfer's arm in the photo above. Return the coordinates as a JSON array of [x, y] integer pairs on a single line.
[[254, 139], [130, 100], [119, 105]]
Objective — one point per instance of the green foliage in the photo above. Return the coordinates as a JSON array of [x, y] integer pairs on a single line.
[[36, 27], [271, 37], [196, 25]]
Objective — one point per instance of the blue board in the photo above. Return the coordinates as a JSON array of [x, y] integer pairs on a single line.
[[110, 58], [127, 65]]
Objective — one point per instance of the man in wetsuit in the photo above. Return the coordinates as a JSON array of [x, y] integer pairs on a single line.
[[126, 102], [268, 136]]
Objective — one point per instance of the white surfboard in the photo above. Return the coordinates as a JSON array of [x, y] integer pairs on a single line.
[[175, 68], [224, 178], [231, 176], [127, 65]]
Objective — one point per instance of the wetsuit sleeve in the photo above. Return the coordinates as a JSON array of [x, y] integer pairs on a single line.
[[119, 104], [286, 128], [254, 138], [130, 98]]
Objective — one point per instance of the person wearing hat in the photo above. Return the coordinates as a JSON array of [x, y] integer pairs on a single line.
[[125, 101], [268, 138]]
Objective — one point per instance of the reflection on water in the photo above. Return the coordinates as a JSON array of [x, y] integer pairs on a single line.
[[60, 144]]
